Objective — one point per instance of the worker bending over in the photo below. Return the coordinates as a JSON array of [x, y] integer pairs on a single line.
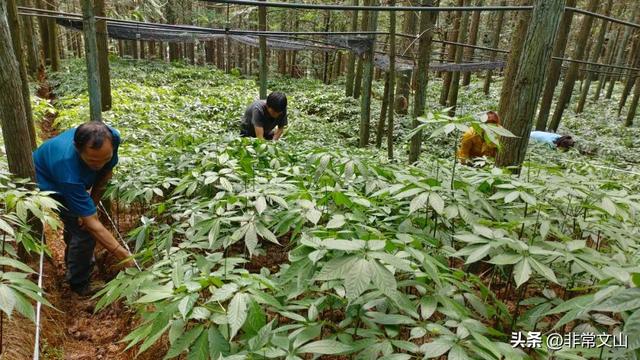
[[473, 143], [265, 119]]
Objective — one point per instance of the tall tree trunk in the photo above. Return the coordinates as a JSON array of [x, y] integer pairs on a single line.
[[531, 72], [29, 42], [634, 104], [383, 112], [634, 61], [608, 56], [16, 36], [594, 58], [143, 52], [495, 42], [427, 22], [351, 60], [621, 49], [407, 47], [555, 67], [357, 83], [54, 51], [91, 51], [367, 78], [163, 50], [103, 56], [514, 58], [209, 51], [15, 129], [473, 39], [452, 99], [262, 24], [153, 52], [453, 49], [392, 78], [572, 73], [43, 27]]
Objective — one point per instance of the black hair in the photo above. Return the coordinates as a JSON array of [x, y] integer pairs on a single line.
[[277, 101], [565, 141], [92, 134]]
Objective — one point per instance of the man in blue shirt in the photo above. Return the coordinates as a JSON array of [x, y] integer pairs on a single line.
[[76, 165], [552, 140]]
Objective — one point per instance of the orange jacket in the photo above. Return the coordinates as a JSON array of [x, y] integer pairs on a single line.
[[473, 145]]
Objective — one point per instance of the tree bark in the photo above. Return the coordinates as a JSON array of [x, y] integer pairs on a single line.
[[43, 27], [555, 67], [103, 56], [15, 131], [54, 50], [594, 58], [262, 24], [452, 99], [453, 36], [633, 108], [514, 58], [495, 42], [16, 36], [427, 21], [608, 56], [392, 78], [91, 51], [404, 77], [621, 49], [572, 73], [351, 60], [383, 112], [357, 83], [634, 61], [473, 39], [367, 78], [30, 43], [529, 79]]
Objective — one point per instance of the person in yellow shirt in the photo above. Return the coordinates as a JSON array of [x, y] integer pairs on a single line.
[[473, 144]]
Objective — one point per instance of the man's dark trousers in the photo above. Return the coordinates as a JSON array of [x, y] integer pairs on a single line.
[[78, 255]]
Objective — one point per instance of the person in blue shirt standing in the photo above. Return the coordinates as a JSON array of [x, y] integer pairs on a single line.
[[77, 165], [552, 140]]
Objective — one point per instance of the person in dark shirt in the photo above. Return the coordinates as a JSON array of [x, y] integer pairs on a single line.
[[262, 117], [76, 166]]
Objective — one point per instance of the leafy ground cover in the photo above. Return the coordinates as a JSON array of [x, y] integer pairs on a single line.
[[312, 247]]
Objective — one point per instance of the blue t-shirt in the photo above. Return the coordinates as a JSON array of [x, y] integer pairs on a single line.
[[60, 169], [544, 137]]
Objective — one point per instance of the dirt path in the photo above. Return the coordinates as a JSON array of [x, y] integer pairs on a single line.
[[71, 330]]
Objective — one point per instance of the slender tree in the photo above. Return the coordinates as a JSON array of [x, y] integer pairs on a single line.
[[15, 131], [367, 78], [517, 48], [529, 79], [357, 82], [91, 51], [16, 36], [351, 60], [594, 58], [427, 21], [621, 48], [495, 42], [451, 55], [555, 67], [473, 39], [572, 73], [262, 24], [103, 56], [634, 104], [452, 99], [29, 41], [392, 78], [54, 50]]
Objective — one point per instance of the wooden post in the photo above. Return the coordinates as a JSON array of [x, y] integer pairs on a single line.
[[532, 69], [91, 51], [54, 50], [473, 38]]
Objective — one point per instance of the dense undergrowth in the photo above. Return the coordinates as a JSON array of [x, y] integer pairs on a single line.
[[381, 259]]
